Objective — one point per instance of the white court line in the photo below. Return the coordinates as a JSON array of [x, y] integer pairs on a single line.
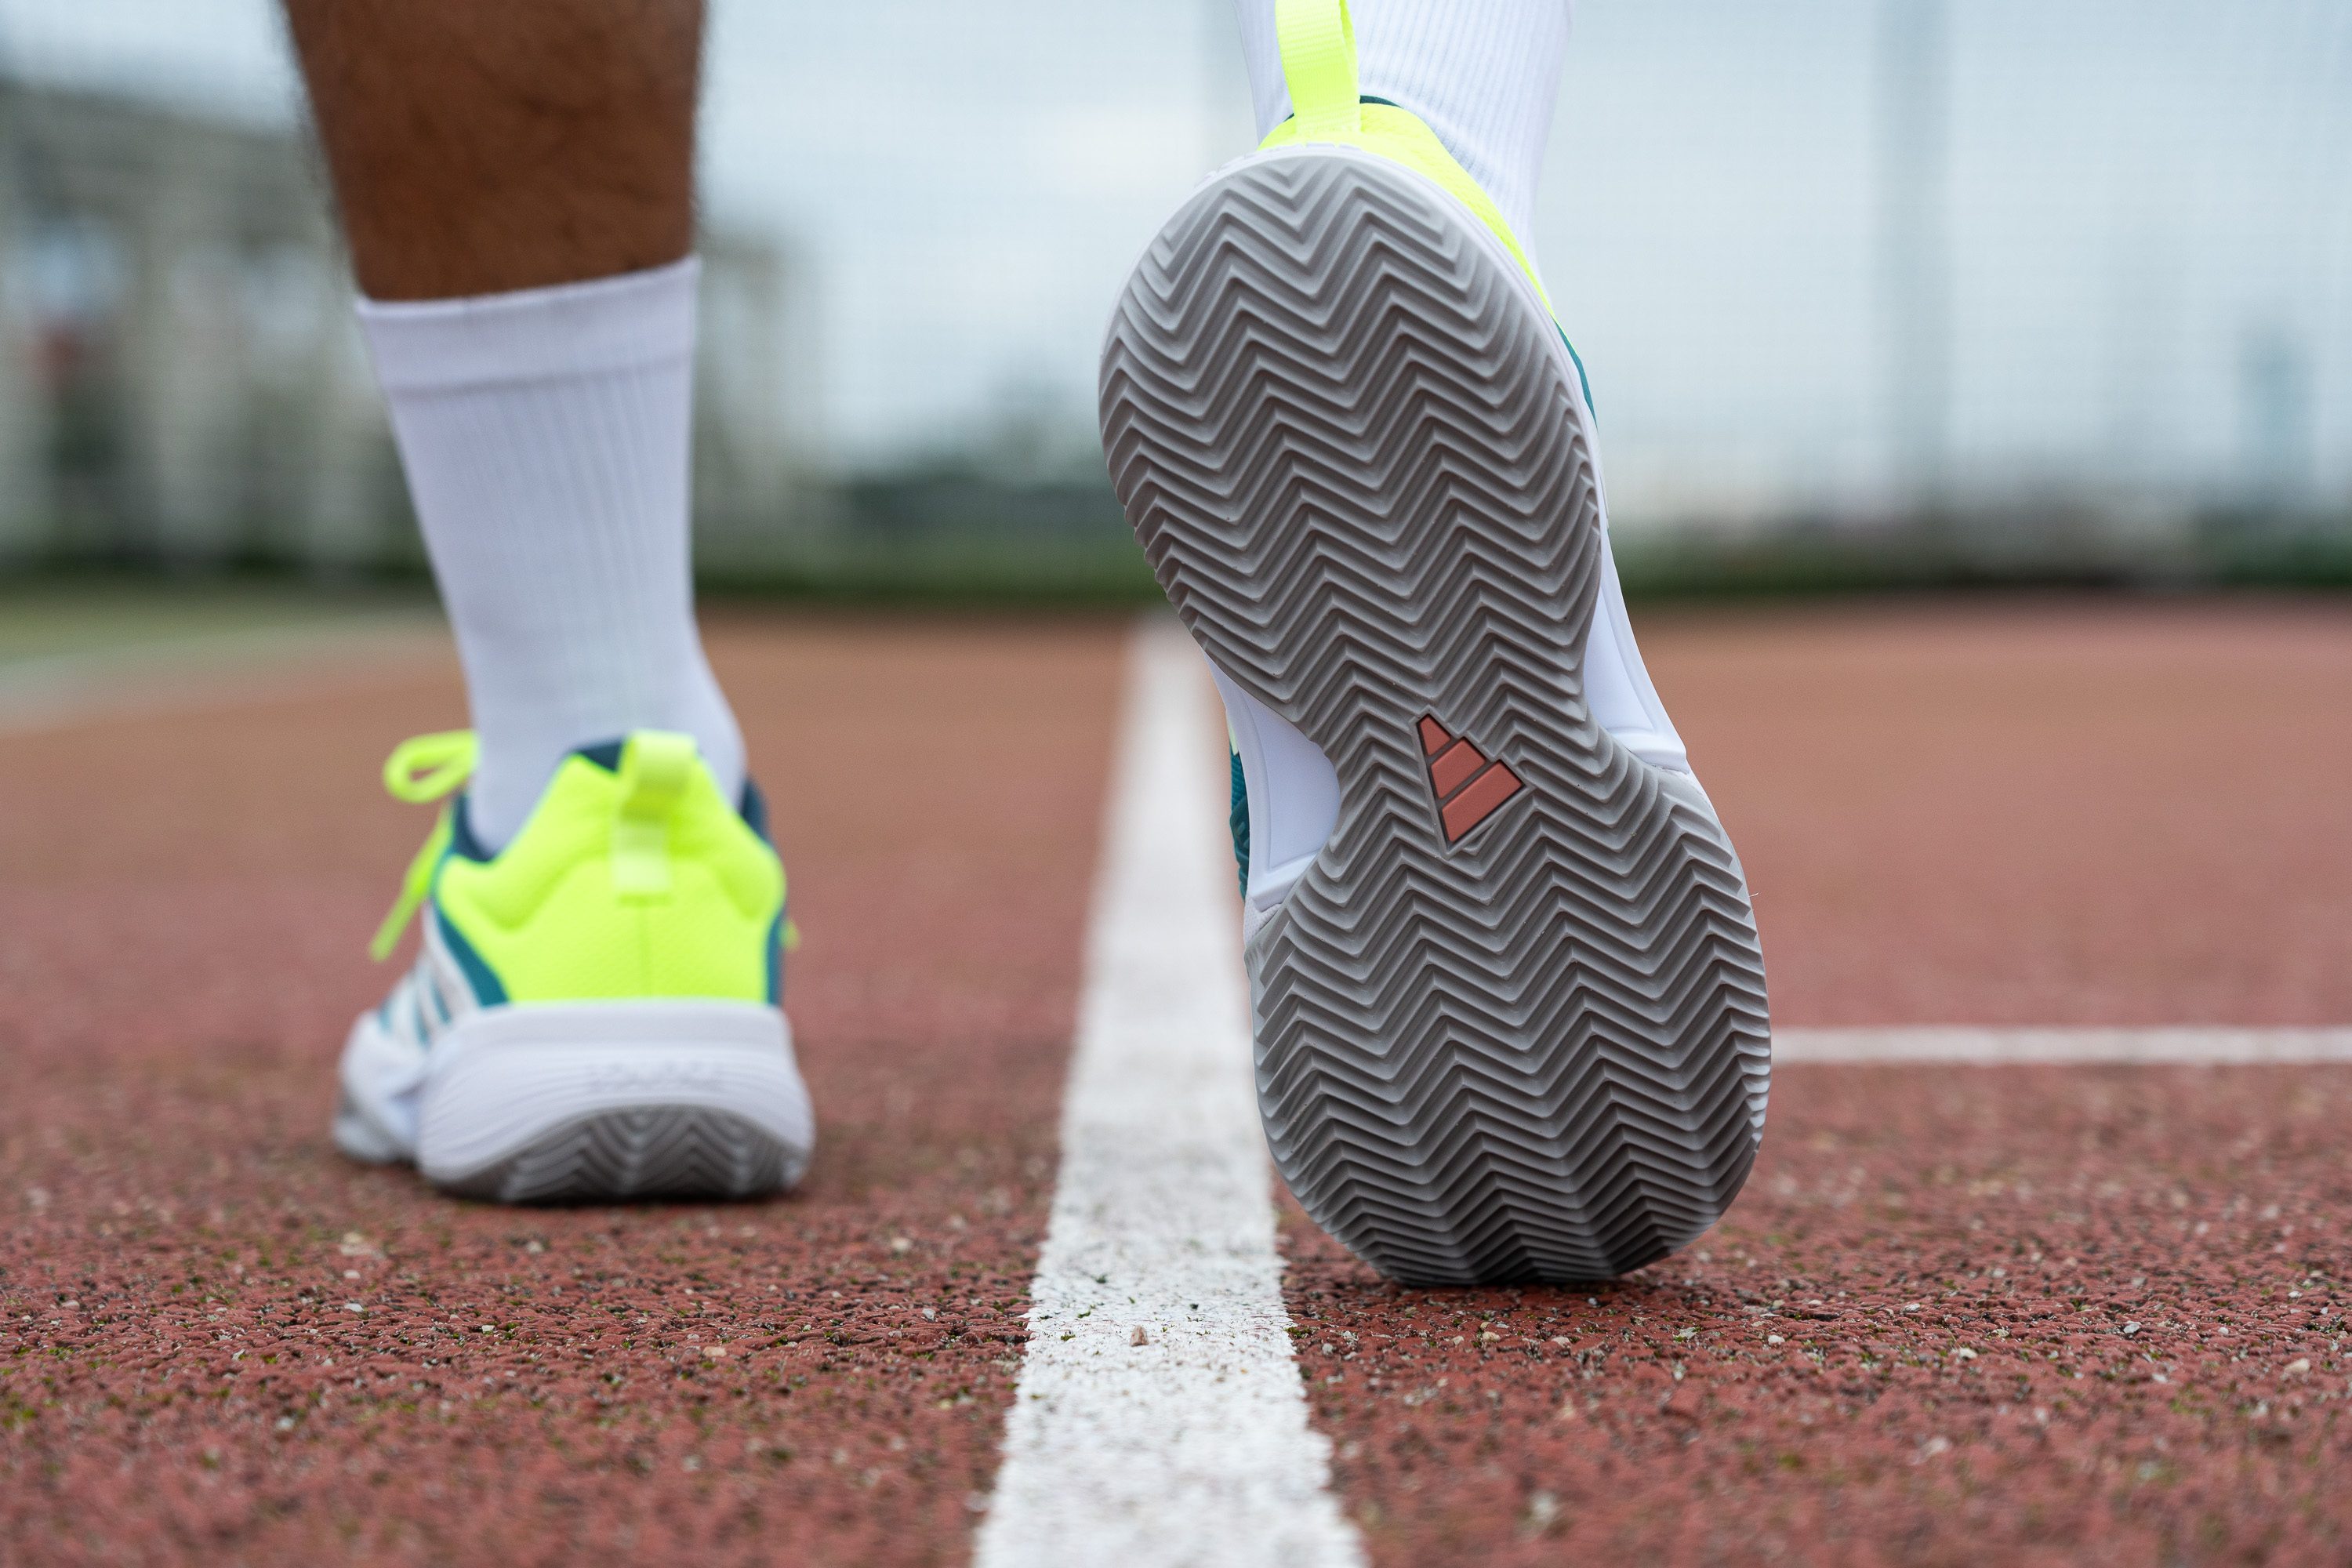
[[2186, 1047], [217, 670], [1192, 1447]]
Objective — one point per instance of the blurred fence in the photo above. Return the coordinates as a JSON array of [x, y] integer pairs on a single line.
[[1870, 290], [1993, 286]]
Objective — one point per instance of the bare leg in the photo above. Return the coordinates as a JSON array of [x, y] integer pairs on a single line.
[[478, 147], [516, 185]]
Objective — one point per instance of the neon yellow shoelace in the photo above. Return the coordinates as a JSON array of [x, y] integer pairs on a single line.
[[420, 770], [424, 769]]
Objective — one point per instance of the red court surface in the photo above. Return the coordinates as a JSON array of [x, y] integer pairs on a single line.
[[818, 1379], [1988, 814], [1960, 1315]]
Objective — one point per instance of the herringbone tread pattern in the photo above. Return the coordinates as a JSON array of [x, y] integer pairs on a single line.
[[1343, 432], [670, 1151]]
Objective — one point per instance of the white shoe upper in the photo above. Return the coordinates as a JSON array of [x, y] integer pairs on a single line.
[[387, 1055]]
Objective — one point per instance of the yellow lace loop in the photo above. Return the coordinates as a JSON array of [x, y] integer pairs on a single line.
[[1317, 41], [419, 771], [656, 767], [427, 767]]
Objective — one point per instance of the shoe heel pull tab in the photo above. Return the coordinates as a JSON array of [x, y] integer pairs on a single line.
[[1317, 41], [656, 768]]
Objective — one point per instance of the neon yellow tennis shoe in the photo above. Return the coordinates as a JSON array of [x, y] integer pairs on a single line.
[[1507, 991], [594, 1011]]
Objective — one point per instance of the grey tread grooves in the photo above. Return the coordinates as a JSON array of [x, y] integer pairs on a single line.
[[1342, 432], [662, 1151]]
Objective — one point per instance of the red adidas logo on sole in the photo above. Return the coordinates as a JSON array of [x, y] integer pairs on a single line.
[[1471, 786]]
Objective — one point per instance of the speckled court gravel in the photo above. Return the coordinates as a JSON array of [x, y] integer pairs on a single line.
[[2018, 1315], [220, 1341]]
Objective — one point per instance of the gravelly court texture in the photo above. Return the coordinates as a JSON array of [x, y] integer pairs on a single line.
[[1997, 813], [1961, 1315], [218, 1339]]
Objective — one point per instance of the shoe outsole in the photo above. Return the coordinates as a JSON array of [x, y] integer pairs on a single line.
[[648, 1151], [585, 1102], [1343, 432]]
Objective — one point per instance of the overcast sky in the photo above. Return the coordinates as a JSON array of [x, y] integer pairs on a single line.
[[2145, 197]]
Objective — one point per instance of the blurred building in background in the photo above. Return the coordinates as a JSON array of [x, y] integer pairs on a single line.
[[1916, 289], [181, 382]]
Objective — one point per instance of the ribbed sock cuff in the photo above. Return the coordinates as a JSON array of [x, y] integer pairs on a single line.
[[634, 319]]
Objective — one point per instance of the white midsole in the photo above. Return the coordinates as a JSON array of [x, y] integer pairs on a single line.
[[498, 1079]]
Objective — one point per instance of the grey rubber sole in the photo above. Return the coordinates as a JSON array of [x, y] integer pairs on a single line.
[[654, 1152], [1534, 1048]]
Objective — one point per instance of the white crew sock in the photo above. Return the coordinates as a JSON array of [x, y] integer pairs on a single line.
[[544, 433], [1482, 74]]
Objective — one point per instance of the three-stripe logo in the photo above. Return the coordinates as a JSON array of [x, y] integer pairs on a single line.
[[1471, 786]]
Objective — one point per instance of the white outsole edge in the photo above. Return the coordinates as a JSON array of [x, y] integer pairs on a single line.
[[505, 1076]]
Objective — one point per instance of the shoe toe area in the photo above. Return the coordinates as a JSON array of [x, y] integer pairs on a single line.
[[380, 1077]]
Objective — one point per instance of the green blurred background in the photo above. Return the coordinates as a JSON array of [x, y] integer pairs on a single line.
[[1874, 294]]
